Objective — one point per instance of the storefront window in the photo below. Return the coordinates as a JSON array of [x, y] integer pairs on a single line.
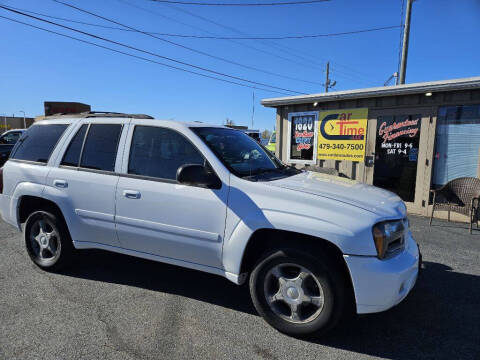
[[457, 143], [302, 137], [396, 154]]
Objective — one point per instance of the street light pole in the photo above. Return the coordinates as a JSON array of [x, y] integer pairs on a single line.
[[24, 123]]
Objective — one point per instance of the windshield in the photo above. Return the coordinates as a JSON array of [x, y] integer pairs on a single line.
[[239, 152]]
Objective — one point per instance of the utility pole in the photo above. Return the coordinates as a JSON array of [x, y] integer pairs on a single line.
[[328, 83], [253, 107], [327, 74], [406, 35]]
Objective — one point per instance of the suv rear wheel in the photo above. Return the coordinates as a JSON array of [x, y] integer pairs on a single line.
[[296, 293], [48, 241]]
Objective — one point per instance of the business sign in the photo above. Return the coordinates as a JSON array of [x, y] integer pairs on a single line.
[[342, 134], [398, 136], [303, 132], [302, 135]]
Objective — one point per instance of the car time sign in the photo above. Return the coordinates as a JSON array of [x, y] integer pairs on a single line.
[[342, 134]]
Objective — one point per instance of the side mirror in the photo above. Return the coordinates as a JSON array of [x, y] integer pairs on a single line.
[[198, 175]]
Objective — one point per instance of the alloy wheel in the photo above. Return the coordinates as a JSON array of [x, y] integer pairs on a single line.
[[293, 293], [45, 240]]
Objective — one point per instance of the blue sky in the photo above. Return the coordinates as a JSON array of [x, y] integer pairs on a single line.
[[38, 66]]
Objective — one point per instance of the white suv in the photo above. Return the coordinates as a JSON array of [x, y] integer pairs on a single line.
[[210, 198]]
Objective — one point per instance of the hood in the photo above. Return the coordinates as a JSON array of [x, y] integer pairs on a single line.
[[367, 197]]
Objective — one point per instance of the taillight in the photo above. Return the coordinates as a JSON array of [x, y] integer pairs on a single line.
[[1, 180]]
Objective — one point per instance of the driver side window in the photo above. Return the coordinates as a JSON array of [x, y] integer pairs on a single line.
[[159, 152]]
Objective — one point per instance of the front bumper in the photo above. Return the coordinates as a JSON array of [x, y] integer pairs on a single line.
[[382, 284]]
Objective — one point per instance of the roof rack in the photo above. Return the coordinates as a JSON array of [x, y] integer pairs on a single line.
[[102, 114]]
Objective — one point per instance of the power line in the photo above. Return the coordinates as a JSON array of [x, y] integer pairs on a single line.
[[151, 12], [185, 47], [148, 52], [248, 46], [308, 60], [241, 4], [296, 53], [360, 75], [350, 77], [296, 56], [259, 37], [353, 74], [139, 57]]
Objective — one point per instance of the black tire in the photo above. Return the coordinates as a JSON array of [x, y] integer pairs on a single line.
[[60, 248], [324, 272]]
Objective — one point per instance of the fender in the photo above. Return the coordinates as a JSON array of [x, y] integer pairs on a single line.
[[44, 192], [23, 189], [235, 245]]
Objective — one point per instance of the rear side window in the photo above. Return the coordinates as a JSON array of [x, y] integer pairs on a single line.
[[38, 142], [100, 149], [72, 155], [159, 152]]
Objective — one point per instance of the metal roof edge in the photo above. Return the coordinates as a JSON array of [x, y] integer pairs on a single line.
[[430, 86]]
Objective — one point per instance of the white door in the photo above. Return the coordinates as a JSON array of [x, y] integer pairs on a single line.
[[85, 182], [155, 214]]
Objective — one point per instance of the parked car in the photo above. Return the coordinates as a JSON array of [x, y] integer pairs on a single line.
[[272, 143], [254, 134], [212, 199], [7, 141]]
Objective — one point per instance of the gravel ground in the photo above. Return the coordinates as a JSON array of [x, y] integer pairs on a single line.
[[111, 306]]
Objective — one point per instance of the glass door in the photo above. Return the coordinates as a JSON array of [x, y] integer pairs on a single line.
[[396, 154], [402, 151]]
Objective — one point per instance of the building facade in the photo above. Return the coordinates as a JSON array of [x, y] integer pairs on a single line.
[[407, 138], [14, 122]]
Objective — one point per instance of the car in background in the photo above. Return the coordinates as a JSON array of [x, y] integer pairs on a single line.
[[7, 141], [254, 134], [272, 143]]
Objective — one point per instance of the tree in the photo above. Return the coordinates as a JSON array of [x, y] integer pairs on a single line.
[[266, 134], [229, 122]]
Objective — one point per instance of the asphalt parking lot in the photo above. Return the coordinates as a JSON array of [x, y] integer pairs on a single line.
[[112, 306]]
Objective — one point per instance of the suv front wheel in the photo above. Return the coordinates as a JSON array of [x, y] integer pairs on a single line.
[[297, 294], [47, 240]]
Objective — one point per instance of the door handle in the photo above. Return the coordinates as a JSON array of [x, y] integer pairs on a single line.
[[131, 194], [60, 183]]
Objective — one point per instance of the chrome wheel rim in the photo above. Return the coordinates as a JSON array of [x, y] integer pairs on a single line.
[[44, 240], [293, 293]]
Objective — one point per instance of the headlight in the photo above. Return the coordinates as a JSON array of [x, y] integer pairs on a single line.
[[389, 237]]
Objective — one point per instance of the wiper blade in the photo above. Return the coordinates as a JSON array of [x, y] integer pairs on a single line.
[[264, 171]]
